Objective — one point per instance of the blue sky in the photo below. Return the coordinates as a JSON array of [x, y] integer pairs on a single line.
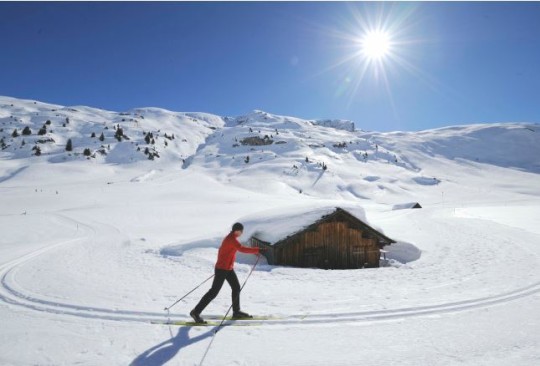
[[449, 63]]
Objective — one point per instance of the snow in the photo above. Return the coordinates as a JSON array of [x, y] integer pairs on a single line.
[[93, 249], [336, 123], [274, 225]]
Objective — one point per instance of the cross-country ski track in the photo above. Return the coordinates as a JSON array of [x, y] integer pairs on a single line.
[[15, 295]]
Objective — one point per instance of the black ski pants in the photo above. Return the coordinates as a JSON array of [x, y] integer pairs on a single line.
[[220, 276]]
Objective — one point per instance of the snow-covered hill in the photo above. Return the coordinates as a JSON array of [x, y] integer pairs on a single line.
[[94, 247], [264, 151], [110, 137]]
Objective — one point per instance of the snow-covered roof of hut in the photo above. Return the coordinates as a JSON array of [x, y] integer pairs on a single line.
[[404, 206], [274, 225]]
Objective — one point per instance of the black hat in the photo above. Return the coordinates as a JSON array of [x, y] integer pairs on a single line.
[[237, 227]]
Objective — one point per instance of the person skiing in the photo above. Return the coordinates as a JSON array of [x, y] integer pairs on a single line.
[[224, 270]]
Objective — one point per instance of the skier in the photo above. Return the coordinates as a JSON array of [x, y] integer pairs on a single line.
[[224, 270]]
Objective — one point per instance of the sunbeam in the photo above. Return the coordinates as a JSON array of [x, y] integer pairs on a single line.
[[373, 43]]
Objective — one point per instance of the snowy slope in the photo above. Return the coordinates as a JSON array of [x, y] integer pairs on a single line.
[[93, 249], [174, 135], [265, 151]]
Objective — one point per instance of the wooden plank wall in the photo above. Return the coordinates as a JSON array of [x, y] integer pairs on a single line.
[[333, 245], [356, 249]]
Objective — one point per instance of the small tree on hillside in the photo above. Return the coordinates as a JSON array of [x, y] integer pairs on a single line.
[[119, 133], [102, 137], [26, 131], [69, 145], [42, 131], [15, 133]]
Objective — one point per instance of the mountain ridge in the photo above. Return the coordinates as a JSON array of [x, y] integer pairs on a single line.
[[284, 152]]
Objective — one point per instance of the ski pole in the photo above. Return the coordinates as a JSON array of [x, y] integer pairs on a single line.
[[230, 307], [183, 297]]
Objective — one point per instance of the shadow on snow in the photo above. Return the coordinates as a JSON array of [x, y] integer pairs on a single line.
[[167, 350]]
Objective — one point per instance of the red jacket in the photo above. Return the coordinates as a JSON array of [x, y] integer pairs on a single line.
[[227, 252]]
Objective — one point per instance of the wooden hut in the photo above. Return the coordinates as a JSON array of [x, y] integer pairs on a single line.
[[335, 240], [408, 205]]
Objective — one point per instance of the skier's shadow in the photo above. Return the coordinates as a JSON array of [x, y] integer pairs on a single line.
[[165, 351]]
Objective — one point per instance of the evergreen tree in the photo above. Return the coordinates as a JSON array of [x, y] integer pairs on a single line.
[[15, 133], [102, 137], [69, 145], [87, 152], [42, 131], [93, 135], [26, 131]]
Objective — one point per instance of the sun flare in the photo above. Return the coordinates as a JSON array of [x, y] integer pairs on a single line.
[[376, 45]]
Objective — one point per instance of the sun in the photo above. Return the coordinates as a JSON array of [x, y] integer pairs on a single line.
[[375, 45]]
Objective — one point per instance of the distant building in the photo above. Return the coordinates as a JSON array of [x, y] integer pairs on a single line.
[[328, 239], [404, 206]]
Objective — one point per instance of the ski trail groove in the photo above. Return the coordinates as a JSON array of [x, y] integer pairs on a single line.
[[10, 295]]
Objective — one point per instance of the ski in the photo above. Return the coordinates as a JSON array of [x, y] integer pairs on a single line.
[[206, 324], [218, 317]]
